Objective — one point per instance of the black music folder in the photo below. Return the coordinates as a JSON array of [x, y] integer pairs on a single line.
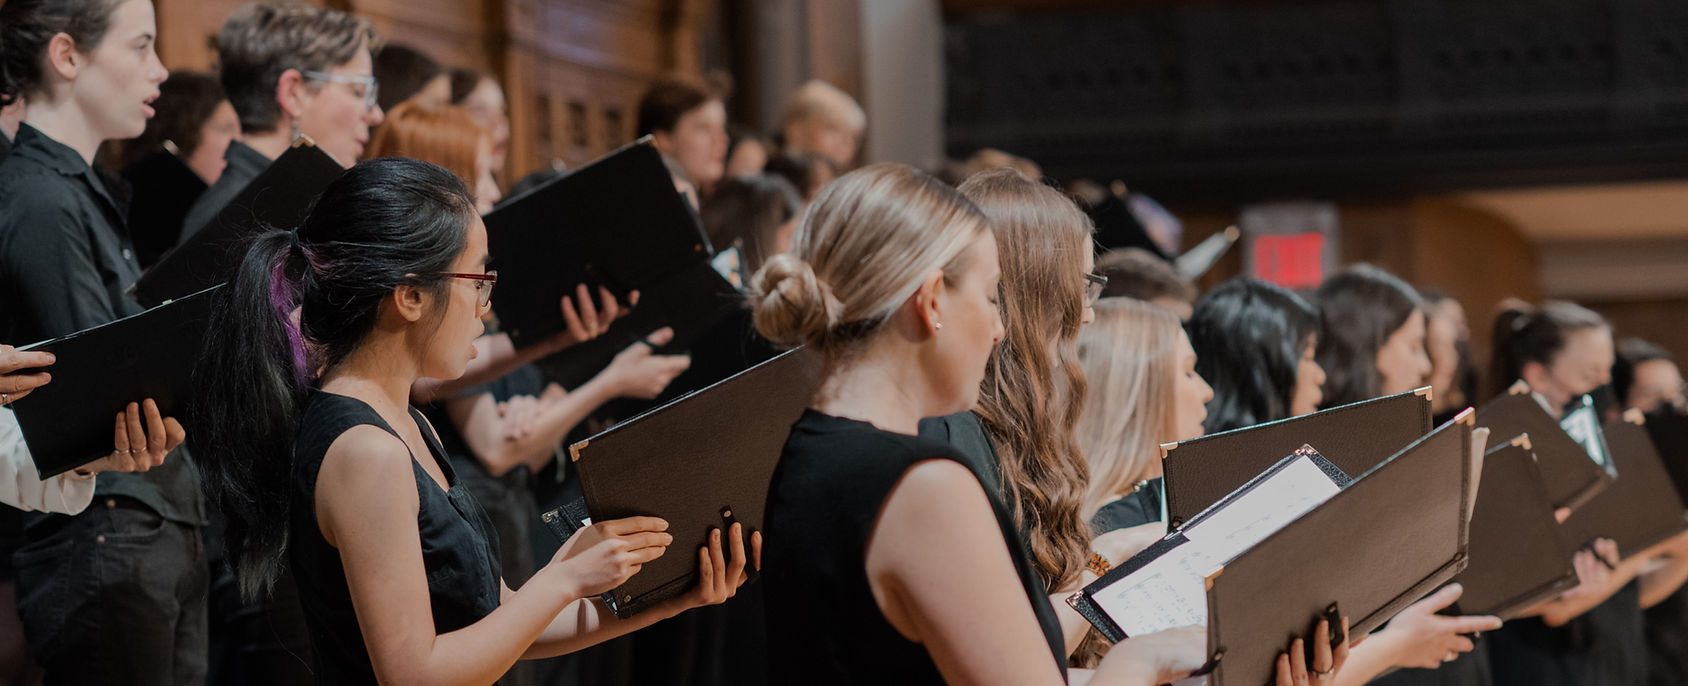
[[692, 301], [1572, 473], [1256, 581], [68, 422], [1668, 427], [280, 198], [701, 462], [1641, 508], [1354, 437], [1519, 555], [616, 222], [164, 189]]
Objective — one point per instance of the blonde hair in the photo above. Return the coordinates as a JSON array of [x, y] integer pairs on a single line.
[[864, 246], [446, 136], [1129, 355], [821, 99], [1033, 390]]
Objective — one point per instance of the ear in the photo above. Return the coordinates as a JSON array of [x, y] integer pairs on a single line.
[[291, 94], [62, 57], [663, 141], [928, 311], [1535, 374], [410, 302]]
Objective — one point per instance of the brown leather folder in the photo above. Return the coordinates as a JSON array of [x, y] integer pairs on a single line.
[[700, 462], [1387, 539], [1519, 555], [1571, 474], [1641, 508], [280, 198], [1354, 437]]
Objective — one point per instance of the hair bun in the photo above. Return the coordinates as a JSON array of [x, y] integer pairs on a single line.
[[793, 306]]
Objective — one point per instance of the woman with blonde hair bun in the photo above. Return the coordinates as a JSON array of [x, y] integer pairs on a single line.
[[894, 281]]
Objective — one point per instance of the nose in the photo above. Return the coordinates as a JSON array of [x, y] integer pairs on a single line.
[[375, 116]]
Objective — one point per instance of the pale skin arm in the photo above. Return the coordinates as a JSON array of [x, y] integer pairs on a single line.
[[367, 505], [1596, 583], [1416, 637], [1658, 583], [588, 622], [977, 627], [500, 446]]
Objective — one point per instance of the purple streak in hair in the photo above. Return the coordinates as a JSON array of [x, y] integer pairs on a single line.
[[284, 297]]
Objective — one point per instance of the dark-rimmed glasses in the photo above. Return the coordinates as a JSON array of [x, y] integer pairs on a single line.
[[1093, 285], [371, 87], [483, 284]]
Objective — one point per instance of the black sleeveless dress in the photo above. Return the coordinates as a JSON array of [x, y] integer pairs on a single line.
[[459, 548], [824, 626], [1606, 646]]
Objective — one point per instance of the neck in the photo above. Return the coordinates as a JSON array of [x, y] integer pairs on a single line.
[[379, 373], [270, 144], [65, 123], [879, 387]]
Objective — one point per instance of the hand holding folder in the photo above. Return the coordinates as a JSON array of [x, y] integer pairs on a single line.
[[105, 373], [22, 371], [702, 463], [1417, 514]]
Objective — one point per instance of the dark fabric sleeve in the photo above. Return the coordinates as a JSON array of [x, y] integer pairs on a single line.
[[50, 258]]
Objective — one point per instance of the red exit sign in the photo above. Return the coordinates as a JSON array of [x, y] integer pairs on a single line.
[[1294, 261]]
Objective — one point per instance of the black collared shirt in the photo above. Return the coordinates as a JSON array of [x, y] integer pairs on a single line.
[[244, 165], [65, 265]]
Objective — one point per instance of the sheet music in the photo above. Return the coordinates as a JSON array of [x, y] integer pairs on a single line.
[[1584, 426], [1170, 591]]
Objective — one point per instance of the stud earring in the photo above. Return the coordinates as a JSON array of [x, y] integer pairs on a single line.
[[937, 325]]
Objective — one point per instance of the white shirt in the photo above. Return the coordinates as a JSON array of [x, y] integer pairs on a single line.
[[23, 488]]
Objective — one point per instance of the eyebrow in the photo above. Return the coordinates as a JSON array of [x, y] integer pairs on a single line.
[[487, 260]]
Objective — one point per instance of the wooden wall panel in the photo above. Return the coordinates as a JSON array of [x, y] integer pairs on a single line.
[[573, 70]]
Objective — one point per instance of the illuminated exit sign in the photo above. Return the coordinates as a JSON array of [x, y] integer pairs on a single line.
[[1290, 244]]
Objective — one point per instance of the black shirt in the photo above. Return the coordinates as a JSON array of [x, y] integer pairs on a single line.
[[1136, 508], [459, 548], [66, 265], [5, 147], [244, 165], [1605, 646], [1667, 640], [964, 432], [824, 626]]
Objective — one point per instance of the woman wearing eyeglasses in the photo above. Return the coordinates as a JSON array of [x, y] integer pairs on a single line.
[[324, 468]]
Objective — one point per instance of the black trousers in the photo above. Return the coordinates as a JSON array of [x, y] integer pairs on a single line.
[[115, 595]]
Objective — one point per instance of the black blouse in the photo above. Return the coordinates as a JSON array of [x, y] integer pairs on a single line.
[[824, 626], [459, 548]]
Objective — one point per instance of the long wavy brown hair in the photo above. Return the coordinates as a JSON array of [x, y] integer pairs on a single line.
[[1033, 392]]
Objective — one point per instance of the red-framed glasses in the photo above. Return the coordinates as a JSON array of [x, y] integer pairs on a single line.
[[483, 284]]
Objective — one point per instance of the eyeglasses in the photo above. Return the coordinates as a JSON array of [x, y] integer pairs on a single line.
[[371, 87], [483, 284], [1093, 284]]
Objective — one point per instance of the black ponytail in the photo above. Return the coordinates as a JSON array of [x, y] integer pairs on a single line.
[[1524, 333], [377, 227]]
